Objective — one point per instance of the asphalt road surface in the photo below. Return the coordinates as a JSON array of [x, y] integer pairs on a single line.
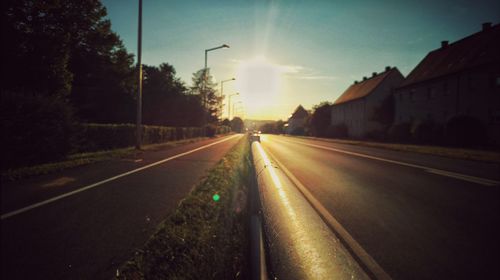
[[88, 234], [417, 216]]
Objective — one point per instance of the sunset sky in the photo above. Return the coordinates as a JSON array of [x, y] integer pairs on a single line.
[[286, 53]]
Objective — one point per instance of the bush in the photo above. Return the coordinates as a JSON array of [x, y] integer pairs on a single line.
[[210, 130], [223, 129], [338, 131], [35, 129], [298, 131], [400, 132], [97, 137], [377, 135], [465, 131], [428, 132]]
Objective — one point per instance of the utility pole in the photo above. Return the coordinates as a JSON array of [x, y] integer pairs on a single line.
[[138, 123]]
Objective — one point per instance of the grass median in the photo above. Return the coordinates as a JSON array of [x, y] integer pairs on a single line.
[[206, 236]]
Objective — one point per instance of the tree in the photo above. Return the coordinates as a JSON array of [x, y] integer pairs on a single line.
[[237, 124], [205, 87], [166, 99], [321, 118], [35, 53]]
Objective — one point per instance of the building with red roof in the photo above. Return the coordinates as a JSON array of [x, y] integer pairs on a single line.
[[457, 79], [356, 107]]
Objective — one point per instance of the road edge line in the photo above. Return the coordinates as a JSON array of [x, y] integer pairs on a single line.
[[91, 186], [359, 253], [463, 177]]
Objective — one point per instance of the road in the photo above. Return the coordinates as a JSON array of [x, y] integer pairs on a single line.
[[89, 233], [417, 216]]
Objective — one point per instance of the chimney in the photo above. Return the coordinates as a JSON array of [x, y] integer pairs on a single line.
[[355, 82], [444, 44], [374, 74], [486, 26], [365, 78], [387, 68]]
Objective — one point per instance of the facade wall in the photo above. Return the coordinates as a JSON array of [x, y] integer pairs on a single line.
[[358, 114], [474, 92]]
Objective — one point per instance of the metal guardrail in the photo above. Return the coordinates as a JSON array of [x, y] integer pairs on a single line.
[[300, 244]]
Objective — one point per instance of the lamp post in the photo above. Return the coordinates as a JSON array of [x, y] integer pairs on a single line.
[[229, 104], [205, 79], [222, 92], [139, 85]]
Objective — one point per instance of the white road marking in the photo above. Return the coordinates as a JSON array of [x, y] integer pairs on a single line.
[[356, 248], [50, 200], [473, 179]]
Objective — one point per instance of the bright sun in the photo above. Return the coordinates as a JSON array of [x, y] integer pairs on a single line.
[[258, 82]]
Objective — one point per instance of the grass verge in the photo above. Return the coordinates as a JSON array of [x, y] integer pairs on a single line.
[[203, 238], [86, 158], [458, 153]]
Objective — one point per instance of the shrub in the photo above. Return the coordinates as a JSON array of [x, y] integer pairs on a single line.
[[377, 135], [338, 131], [35, 128], [400, 132], [428, 132], [298, 131], [223, 129], [465, 131], [210, 130], [97, 137]]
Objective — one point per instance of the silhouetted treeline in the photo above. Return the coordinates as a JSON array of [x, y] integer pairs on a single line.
[[62, 64]]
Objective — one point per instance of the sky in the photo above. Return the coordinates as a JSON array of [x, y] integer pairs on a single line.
[[286, 53]]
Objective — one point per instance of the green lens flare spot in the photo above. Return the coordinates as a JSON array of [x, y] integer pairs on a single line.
[[216, 197]]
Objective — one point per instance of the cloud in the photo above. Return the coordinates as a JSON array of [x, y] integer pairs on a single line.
[[304, 73]]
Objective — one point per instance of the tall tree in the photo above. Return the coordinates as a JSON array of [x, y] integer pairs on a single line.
[[166, 98], [35, 48], [205, 87], [321, 119]]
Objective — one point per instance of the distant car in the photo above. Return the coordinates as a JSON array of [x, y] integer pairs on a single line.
[[254, 137]]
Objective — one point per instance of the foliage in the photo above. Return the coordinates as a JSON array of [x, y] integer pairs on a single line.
[[204, 87], [337, 131], [97, 137], [35, 54], [210, 130], [465, 131], [226, 122], [400, 132], [166, 100], [202, 229], [428, 132], [321, 118], [237, 124], [36, 128]]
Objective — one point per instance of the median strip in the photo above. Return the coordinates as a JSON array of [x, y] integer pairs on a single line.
[[206, 236]]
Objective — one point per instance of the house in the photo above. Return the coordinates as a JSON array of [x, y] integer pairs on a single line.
[[356, 107], [297, 121], [457, 79]]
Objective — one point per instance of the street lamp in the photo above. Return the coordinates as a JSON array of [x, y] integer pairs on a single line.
[[229, 104], [222, 92], [212, 49], [205, 77], [138, 122]]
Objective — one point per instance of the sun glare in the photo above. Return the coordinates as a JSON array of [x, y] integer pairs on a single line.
[[259, 83]]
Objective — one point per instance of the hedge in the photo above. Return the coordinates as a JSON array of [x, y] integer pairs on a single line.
[[96, 137]]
